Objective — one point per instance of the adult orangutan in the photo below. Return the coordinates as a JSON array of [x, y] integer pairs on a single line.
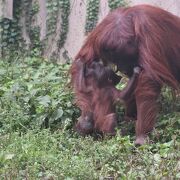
[[96, 96], [140, 35]]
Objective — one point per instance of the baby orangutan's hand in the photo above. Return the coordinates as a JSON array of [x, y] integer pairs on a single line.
[[137, 70]]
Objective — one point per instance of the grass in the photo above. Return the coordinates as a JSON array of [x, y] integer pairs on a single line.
[[37, 141], [43, 154]]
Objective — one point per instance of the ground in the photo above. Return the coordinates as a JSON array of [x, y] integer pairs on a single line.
[[37, 114]]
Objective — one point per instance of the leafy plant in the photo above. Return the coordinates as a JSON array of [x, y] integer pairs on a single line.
[[116, 3], [36, 45], [58, 9], [10, 31], [36, 142], [65, 11], [61, 155], [92, 15], [35, 94], [52, 9]]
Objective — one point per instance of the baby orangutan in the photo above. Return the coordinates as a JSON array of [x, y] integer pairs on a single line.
[[97, 97]]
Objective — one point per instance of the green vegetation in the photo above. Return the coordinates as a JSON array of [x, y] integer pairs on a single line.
[[117, 3], [92, 15], [55, 8], [37, 141], [22, 35], [65, 11], [10, 32], [34, 94]]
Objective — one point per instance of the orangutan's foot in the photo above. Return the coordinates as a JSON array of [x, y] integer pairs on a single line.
[[109, 124], [140, 140]]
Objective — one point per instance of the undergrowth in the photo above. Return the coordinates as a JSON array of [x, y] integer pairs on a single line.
[[35, 94], [37, 114]]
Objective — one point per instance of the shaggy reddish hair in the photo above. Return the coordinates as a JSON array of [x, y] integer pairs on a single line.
[[140, 35], [97, 97]]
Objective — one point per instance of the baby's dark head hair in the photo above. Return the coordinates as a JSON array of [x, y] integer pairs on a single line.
[[103, 75]]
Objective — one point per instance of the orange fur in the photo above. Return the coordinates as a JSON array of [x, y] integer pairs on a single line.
[[96, 96], [140, 35]]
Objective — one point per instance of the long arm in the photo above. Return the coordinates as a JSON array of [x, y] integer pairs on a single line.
[[80, 81], [128, 90]]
